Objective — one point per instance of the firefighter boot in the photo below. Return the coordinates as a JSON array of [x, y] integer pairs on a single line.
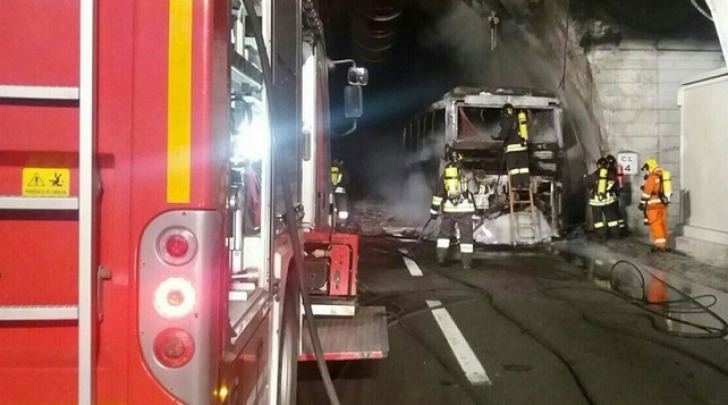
[[467, 259], [441, 255]]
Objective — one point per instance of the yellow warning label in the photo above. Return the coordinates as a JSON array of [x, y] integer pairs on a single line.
[[45, 182]]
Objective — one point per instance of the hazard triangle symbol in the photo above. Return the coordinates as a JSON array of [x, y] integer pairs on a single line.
[[36, 181]]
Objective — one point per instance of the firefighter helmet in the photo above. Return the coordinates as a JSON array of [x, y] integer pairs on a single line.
[[650, 165], [507, 110], [336, 171], [602, 163], [611, 160], [452, 155]]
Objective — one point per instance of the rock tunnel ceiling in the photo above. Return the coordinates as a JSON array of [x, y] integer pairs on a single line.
[[371, 29], [445, 43]]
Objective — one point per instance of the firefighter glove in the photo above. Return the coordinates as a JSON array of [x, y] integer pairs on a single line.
[[433, 215], [641, 206]]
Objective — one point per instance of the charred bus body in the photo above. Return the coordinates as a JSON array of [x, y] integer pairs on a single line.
[[467, 119]]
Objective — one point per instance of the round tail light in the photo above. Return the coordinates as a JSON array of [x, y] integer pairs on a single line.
[[174, 298], [174, 347], [177, 246]]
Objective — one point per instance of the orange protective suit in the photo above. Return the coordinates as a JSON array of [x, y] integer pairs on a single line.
[[656, 209]]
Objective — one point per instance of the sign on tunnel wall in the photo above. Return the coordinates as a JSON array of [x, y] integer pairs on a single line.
[[630, 162]]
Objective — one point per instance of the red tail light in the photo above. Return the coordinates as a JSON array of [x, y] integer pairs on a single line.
[[174, 347], [177, 246]]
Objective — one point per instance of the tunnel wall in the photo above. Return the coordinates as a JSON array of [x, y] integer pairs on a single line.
[[704, 105], [637, 84]]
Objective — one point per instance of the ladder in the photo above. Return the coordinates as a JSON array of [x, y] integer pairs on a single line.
[[523, 227], [85, 203]]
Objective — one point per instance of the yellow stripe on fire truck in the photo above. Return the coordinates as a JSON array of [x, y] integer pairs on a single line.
[[179, 101]]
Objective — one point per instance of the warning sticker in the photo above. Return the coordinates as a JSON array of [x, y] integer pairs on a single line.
[[45, 182]]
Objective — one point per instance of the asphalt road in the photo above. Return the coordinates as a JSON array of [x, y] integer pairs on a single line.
[[522, 328]]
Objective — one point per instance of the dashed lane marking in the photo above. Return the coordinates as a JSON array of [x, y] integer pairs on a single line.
[[474, 371], [413, 268]]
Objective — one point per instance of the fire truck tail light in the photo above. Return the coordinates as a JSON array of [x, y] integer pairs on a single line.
[[177, 246], [174, 298], [174, 347], [179, 280]]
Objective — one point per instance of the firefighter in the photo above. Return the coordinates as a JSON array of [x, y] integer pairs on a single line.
[[337, 172], [339, 199], [456, 202], [602, 200], [655, 198], [514, 134], [616, 172]]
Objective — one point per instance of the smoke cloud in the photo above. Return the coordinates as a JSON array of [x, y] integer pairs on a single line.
[[527, 55], [530, 53]]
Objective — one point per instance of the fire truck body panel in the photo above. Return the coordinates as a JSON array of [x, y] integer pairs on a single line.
[[162, 93], [189, 302]]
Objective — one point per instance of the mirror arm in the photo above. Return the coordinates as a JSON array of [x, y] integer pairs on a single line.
[[349, 131], [333, 63]]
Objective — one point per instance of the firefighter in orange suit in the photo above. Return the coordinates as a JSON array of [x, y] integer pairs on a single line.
[[655, 199], [457, 204]]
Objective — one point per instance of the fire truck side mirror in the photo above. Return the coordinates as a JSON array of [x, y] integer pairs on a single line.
[[358, 76], [353, 102]]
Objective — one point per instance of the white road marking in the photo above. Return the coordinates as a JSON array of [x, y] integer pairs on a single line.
[[474, 371], [413, 268]]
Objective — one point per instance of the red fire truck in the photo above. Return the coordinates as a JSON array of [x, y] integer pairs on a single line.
[[164, 203]]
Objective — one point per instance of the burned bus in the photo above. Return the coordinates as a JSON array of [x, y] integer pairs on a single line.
[[467, 119]]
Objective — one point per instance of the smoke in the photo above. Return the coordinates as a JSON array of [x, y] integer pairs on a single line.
[[463, 36], [395, 179], [528, 54]]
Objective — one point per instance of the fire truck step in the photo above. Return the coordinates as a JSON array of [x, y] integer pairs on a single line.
[[363, 336], [38, 312], [38, 92], [38, 203]]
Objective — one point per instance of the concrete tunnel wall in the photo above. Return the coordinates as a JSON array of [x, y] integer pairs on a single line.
[[637, 85], [704, 102]]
